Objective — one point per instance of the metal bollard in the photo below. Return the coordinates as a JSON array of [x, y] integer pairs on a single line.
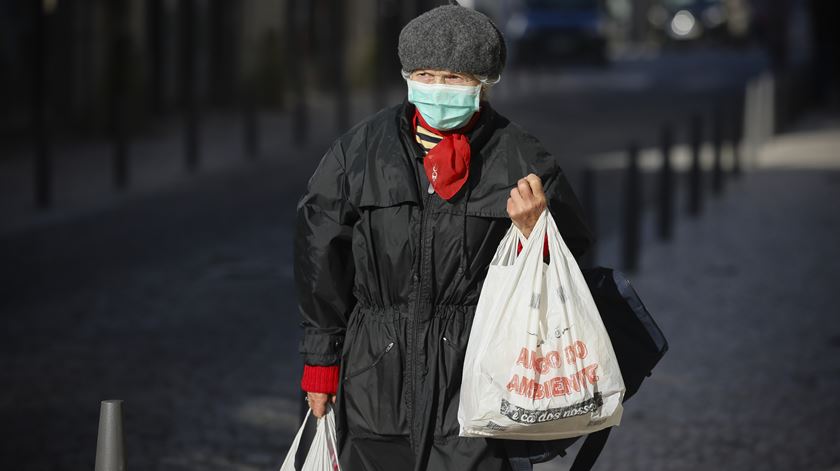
[[340, 88], [737, 137], [119, 52], [296, 16], [768, 110], [110, 442], [590, 208], [695, 182], [749, 118], [251, 140], [120, 162], [156, 32], [43, 174], [666, 186], [631, 239], [717, 144], [188, 85], [380, 49]]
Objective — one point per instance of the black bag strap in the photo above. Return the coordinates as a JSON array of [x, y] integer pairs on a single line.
[[522, 456], [519, 463], [590, 450]]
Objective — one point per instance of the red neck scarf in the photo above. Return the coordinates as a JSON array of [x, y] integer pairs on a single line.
[[447, 164]]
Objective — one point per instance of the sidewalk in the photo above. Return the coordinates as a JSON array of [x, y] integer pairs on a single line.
[[746, 296], [82, 170]]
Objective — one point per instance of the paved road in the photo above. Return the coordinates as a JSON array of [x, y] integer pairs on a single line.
[[180, 302]]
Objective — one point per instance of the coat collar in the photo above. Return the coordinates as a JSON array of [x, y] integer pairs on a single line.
[[390, 177]]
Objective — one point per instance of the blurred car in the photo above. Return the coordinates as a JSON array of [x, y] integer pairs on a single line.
[[541, 32], [683, 20]]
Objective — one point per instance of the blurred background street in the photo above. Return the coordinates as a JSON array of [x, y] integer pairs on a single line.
[[152, 154]]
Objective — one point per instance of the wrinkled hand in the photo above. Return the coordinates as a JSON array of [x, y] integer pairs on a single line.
[[526, 203], [318, 403]]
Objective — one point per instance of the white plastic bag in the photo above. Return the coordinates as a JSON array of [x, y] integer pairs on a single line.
[[322, 455], [539, 363]]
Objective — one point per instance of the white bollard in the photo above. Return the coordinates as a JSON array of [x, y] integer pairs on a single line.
[[110, 443]]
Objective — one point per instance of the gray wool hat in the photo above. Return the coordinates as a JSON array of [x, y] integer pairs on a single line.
[[455, 38]]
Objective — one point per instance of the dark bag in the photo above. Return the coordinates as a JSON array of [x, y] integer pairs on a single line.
[[639, 345]]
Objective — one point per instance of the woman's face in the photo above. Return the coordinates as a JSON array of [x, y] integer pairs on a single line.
[[443, 76]]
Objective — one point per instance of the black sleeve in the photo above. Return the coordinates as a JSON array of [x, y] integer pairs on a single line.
[[323, 261], [567, 212], [562, 202]]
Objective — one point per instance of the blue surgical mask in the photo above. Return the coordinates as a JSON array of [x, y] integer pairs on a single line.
[[444, 107]]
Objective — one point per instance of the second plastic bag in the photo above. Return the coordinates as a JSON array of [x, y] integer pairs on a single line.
[[539, 363], [322, 452]]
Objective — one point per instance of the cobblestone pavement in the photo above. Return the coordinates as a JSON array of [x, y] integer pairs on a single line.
[[747, 297]]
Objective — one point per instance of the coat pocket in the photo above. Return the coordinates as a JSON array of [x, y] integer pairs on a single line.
[[454, 334], [372, 392]]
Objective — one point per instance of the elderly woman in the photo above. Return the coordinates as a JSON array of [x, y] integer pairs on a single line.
[[394, 237]]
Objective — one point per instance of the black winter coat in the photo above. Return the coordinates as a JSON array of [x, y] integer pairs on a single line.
[[388, 278]]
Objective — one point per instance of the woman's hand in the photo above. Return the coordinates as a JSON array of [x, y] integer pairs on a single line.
[[318, 403], [526, 203]]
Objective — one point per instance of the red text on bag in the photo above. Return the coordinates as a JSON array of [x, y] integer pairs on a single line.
[[530, 360], [557, 386]]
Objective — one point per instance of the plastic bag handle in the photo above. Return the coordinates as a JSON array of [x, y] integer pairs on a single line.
[[556, 245], [326, 426], [332, 446], [507, 250], [289, 462]]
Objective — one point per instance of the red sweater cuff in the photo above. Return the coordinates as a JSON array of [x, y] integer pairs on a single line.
[[320, 379]]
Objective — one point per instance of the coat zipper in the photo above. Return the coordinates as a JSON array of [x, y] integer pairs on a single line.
[[415, 319], [414, 152], [375, 362]]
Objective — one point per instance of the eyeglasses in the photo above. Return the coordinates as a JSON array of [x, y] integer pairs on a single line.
[[450, 78]]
